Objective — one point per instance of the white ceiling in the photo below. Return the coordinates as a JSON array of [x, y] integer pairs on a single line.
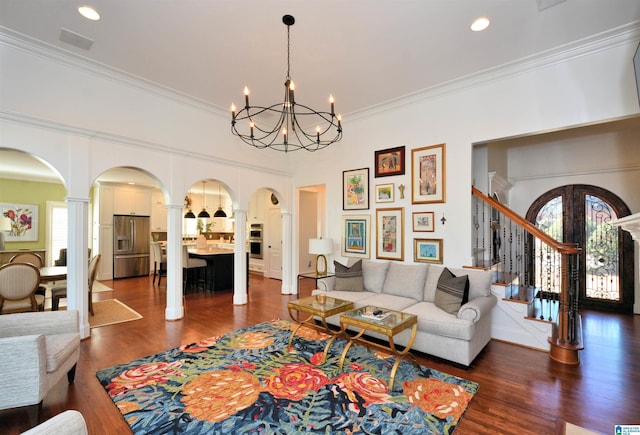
[[364, 52]]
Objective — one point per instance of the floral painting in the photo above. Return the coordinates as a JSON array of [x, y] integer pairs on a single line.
[[24, 222], [355, 184]]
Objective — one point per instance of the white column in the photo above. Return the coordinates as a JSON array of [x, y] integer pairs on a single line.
[[77, 261], [175, 307], [240, 258], [631, 224], [287, 288]]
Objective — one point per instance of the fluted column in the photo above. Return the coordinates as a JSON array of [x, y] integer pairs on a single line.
[[77, 261], [175, 307], [240, 258], [287, 289]]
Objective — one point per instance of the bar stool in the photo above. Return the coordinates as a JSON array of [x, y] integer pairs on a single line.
[[188, 264], [159, 262]]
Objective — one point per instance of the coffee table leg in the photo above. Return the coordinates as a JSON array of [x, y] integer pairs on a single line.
[[400, 355], [300, 323], [348, 345]]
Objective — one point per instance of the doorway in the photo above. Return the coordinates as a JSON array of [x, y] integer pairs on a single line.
[[582, 214]]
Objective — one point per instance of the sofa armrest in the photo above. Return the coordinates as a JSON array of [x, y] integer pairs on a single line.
[[327, 284], [23, 370], [43, 322], [475, 309], [69, 422]]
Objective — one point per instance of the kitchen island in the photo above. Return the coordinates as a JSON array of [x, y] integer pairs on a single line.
[[219, 274]]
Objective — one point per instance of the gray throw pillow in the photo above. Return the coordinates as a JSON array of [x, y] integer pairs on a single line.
[[349, 278], [452, 291]]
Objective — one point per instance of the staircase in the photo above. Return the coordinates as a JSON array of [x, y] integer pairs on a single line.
[[535, 281]]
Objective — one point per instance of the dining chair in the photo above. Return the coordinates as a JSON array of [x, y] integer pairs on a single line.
[[18, 285], [30, 258], [60, 292], [159, 262], [192, 264]]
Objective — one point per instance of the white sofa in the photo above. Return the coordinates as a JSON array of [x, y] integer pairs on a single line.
[[37, 350], [411, 288]]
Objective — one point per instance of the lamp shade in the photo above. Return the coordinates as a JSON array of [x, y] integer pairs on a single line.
[[320, 246], [5, 223]]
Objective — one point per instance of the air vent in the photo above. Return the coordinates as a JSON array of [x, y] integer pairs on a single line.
[[75, 39]]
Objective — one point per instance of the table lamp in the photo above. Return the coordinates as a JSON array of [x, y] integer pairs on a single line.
[[5, 225], [321, 247]]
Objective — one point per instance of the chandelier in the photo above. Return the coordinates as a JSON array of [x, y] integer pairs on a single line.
[[252, 123]]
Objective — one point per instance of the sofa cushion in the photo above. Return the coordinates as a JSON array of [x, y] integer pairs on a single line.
[[59, 348], [433, 320], [349, 278], [405, 280], [479, 281], [452, 291], [374, 273], [390, 302]]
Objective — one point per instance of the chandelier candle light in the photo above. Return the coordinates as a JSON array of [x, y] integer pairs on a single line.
[[287, 134]]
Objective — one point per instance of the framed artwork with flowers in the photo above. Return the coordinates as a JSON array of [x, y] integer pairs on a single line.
[[24, 222], [355, 189]]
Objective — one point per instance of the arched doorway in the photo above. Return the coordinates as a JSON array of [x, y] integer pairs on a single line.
[[582, 214]]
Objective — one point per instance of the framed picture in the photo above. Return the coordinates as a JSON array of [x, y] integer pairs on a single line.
[[390, 162], [390, 233], [355, 236], [423, 221], [355, 189], [427, 174], [427, 250], [24, 222], [384, 192]]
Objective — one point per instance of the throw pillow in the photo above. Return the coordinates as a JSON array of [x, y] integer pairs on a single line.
[[349, 278], [405, 280], [452, 291]]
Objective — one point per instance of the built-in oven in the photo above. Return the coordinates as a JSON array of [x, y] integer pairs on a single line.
[[255, 241]]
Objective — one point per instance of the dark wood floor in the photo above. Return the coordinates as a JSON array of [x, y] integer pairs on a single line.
[[521, 390]]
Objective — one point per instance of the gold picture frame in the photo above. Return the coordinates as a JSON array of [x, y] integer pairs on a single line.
[[428, 180], [427, 250], [390, 233]]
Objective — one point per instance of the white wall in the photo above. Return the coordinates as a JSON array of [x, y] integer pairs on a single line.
[[590, 85]]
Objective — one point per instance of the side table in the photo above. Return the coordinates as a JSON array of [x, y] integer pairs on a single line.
[[312, 275], [321, 308], [391, 325]]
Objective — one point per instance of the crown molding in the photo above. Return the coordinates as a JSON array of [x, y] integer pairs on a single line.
[[62, 128], [68, 58], [563, 53]]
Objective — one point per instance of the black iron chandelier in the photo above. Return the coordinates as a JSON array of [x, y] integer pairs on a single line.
[[251, 123]]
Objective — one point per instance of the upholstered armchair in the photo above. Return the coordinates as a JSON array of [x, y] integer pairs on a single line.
[[37, 350]]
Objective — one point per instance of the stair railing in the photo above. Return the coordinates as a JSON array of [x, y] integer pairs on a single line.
[[539, 269]]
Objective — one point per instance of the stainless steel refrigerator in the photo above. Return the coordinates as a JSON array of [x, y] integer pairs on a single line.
[[131, 237]]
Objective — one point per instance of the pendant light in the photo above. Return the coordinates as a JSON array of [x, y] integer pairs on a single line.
[[187, 202], [204, 214], [220, 212]]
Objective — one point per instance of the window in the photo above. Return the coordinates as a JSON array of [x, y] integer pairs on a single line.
[[56, 229]]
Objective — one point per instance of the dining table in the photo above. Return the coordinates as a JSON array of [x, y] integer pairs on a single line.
[[53, 273]]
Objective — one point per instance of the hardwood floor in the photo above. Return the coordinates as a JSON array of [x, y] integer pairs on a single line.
[[521, 390]]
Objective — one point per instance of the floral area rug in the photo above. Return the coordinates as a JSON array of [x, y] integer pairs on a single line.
[[249, 382]]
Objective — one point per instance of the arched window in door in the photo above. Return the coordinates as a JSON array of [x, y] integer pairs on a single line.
[[583, 214]]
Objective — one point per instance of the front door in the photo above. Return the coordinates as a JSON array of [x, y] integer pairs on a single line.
[[583, 214]]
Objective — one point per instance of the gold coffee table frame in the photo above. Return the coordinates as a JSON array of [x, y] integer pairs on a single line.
[[393, 324], [316, 307]]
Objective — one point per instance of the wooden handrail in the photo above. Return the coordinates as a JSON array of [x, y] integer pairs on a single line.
[[563, 248]]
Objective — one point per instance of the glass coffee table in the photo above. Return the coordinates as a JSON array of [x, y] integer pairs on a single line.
[[320, 307], [389, 323]]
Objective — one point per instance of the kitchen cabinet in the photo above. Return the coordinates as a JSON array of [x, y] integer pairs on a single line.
[[132, 200], [258, 205], [158, 211]]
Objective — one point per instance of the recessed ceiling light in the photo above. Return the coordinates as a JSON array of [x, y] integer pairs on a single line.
[[480, 24], [89, 13]]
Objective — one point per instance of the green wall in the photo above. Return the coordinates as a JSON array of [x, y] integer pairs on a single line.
[[31, 192]]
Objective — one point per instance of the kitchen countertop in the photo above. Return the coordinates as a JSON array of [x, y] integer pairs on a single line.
[[210, 250]]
